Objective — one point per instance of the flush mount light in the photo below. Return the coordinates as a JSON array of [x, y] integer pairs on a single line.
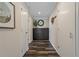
[[39, 12]]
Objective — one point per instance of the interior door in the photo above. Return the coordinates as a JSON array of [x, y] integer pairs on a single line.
[[24, 31]]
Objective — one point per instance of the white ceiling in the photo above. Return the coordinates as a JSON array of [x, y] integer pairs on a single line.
[[41, 10]]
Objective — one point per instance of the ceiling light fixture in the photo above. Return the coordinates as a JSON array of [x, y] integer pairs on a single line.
[[39, 12]]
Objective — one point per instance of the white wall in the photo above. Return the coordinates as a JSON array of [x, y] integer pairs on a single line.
[[30, 29], [53, 30], [62, 32], [11, 40]]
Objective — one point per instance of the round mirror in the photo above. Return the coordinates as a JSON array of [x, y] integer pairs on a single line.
[[40, 22]]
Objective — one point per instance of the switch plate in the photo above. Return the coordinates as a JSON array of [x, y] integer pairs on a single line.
[[70, 35]]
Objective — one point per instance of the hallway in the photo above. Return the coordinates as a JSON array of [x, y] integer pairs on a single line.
[[39, 29], [41, 48]]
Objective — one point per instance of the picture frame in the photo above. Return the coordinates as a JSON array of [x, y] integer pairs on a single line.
[[7, 15]]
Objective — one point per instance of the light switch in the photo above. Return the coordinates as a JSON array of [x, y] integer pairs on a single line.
[[70, 35]]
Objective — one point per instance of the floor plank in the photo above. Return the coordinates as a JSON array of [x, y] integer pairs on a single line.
[[41, 48]]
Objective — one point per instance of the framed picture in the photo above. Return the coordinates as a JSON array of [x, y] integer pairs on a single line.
[[7, 15]]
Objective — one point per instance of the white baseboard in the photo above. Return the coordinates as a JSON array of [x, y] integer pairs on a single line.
[[55, 48]]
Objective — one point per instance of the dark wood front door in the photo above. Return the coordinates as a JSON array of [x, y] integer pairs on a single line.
[[40, 33]]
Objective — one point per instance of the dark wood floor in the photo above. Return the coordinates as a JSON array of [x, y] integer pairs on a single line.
[[41, 48]]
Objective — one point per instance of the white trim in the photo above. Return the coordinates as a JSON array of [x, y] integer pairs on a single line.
[[55, 48]]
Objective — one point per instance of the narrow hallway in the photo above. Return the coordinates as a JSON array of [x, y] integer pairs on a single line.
[[39, 29], [41, 48]]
